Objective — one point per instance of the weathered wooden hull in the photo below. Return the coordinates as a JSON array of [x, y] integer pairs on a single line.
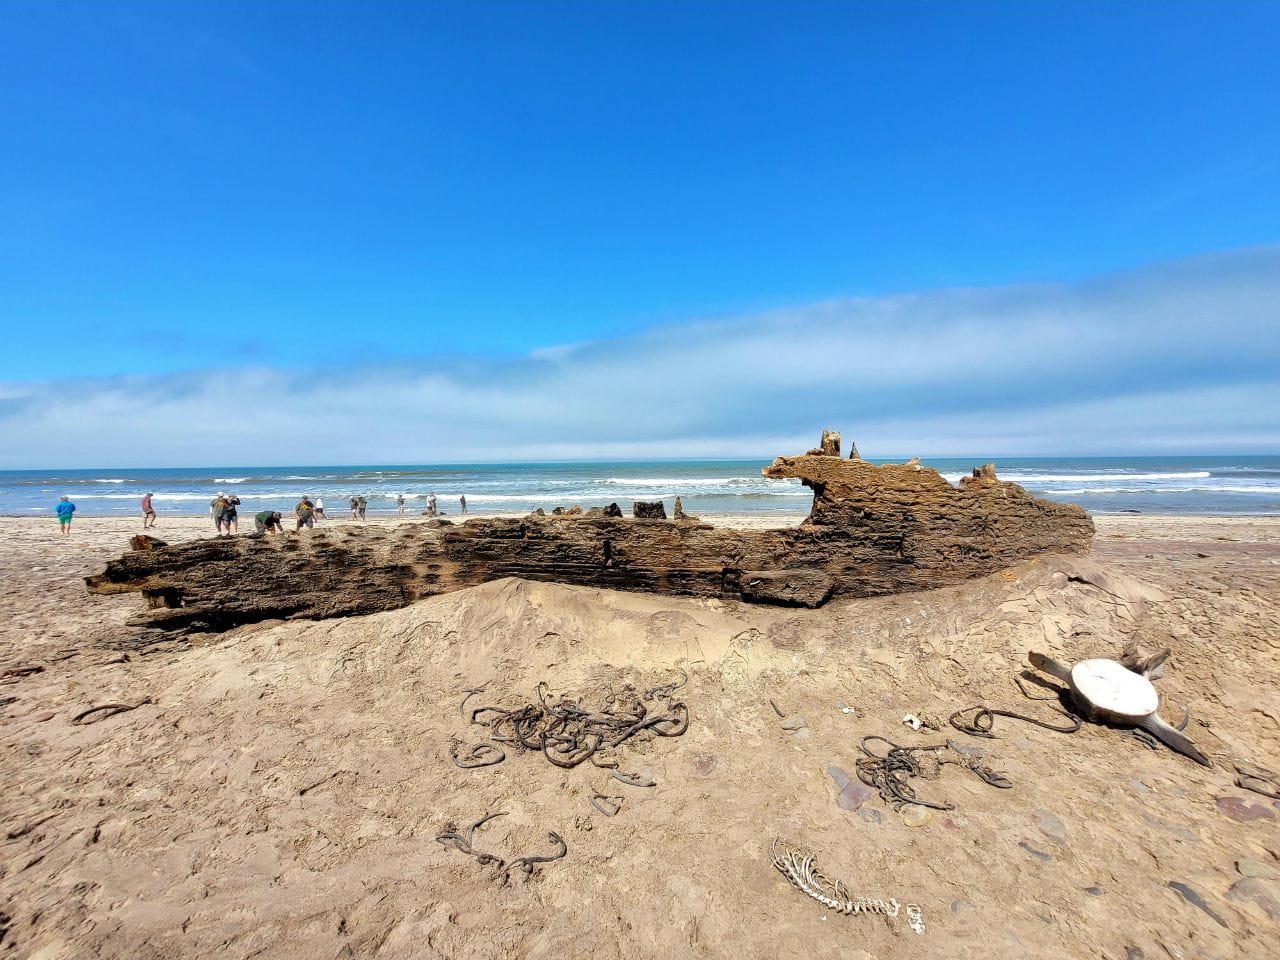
[[873, 530]]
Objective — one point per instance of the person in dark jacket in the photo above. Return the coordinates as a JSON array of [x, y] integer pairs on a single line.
[[267, 521]]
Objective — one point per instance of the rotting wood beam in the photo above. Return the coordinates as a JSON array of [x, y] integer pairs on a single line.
[[873, 529]]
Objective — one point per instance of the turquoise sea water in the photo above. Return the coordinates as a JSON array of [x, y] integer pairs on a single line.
[[1225, 485]]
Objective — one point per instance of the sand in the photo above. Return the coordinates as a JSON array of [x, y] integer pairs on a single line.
[[279, 790]]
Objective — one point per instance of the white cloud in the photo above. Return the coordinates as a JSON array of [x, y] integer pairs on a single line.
[[1178, 357]]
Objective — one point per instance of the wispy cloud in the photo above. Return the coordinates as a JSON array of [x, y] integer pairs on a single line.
[[1180, 356], [1216, 177]]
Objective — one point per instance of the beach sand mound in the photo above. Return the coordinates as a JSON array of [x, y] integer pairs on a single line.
[[281, 793]]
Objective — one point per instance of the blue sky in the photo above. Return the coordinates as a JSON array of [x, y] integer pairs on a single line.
[[324, 206]]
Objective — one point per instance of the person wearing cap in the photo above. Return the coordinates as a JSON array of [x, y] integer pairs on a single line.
[[148, 513], [268, 520], [304, 513]]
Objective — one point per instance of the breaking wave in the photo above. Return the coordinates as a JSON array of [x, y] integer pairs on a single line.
[[1147, 484], [1117, 476], [1147, 491]]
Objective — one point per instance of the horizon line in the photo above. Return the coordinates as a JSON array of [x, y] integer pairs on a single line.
[[586, 460]]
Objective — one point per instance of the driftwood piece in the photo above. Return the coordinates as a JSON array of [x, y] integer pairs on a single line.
[[872, 530]]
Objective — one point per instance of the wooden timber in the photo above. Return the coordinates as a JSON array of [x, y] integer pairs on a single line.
[[872, 530]]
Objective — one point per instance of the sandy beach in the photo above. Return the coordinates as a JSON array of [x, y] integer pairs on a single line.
[[815, 474], [277, 790]]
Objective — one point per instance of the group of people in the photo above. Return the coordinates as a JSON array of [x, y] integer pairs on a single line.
[[433, 509], [223, 508], [65, 510], [226, 520], [305, 514]]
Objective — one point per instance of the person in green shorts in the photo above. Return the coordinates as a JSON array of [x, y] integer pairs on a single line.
[[64, 510]]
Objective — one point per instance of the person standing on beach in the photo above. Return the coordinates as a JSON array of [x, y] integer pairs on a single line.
[[231, 519], [64, 510], [148, 513], [463, 500], [431, 505], [218, 508], [267, 521], [361, 505], [320, 509], [304, 513], [400, 504]]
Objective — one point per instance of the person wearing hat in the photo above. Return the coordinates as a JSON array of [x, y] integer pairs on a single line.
[[304, 513], [268, 520]]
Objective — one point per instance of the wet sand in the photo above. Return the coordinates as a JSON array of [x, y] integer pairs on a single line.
[[278, 789]]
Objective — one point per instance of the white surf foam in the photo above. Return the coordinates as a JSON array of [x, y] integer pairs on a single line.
[[1117, 477]]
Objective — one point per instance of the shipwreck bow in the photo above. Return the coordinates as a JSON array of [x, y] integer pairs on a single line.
[[873, 529]]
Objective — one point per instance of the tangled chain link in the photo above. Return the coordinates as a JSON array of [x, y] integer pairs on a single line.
[[978, 721], [570, 730], [464, 840], [892, 773]]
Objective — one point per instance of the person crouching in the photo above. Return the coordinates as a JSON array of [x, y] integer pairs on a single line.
[[268, 521]]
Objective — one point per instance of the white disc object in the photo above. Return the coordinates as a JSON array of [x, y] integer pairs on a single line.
[[1109, 686]]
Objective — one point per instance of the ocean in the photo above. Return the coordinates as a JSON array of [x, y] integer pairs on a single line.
[[1212, 485]]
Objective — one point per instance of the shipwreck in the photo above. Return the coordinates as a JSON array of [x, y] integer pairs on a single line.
[[873, 529]]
